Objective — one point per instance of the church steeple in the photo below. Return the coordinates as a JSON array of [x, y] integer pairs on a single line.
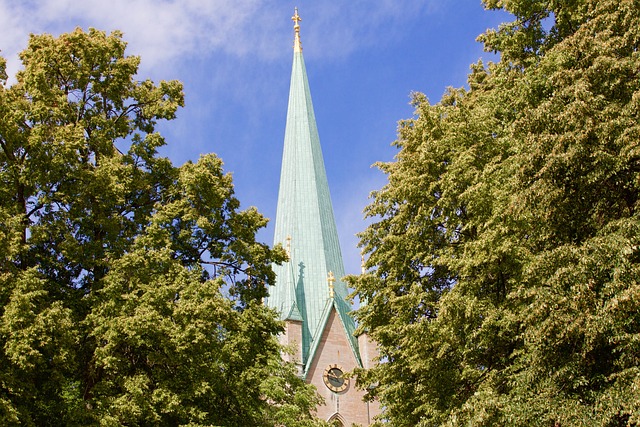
[[305, 225]]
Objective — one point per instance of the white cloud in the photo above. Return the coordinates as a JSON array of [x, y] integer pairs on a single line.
[[160, 31], [164, 31], [341, 27]]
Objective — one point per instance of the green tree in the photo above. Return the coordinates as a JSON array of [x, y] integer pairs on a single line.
[[504, 266], [130, 289]]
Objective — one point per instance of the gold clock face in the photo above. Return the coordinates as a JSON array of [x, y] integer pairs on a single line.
[[334, 378]]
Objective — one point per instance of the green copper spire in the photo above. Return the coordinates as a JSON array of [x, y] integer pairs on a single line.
[[309, 285]]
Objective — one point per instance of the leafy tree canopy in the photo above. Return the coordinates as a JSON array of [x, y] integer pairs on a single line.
[[130, 289], [503, 257]]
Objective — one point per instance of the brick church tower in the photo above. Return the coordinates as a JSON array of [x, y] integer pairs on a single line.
[[309, 293]]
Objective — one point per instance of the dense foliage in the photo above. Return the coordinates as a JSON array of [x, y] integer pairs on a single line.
[[130, 289], [503, 257]]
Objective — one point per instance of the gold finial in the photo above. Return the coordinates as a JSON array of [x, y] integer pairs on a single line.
[[331, 280], [288, 249], [297, 45]]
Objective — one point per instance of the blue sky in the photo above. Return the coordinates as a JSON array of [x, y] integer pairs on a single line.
[[363, 59]]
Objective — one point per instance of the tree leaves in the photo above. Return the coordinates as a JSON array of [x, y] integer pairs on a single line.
[[505, 239], [130, 289]]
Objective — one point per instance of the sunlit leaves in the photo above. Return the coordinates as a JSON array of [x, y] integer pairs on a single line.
[[116, 267], [503, 282]]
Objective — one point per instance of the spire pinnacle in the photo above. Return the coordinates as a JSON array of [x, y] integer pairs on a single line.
[[331, 279], [297, 45]]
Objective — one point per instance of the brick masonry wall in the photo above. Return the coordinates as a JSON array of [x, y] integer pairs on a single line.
[[334, 349]]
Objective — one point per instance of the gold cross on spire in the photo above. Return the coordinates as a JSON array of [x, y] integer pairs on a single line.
[[297, 45], [296, 19]]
